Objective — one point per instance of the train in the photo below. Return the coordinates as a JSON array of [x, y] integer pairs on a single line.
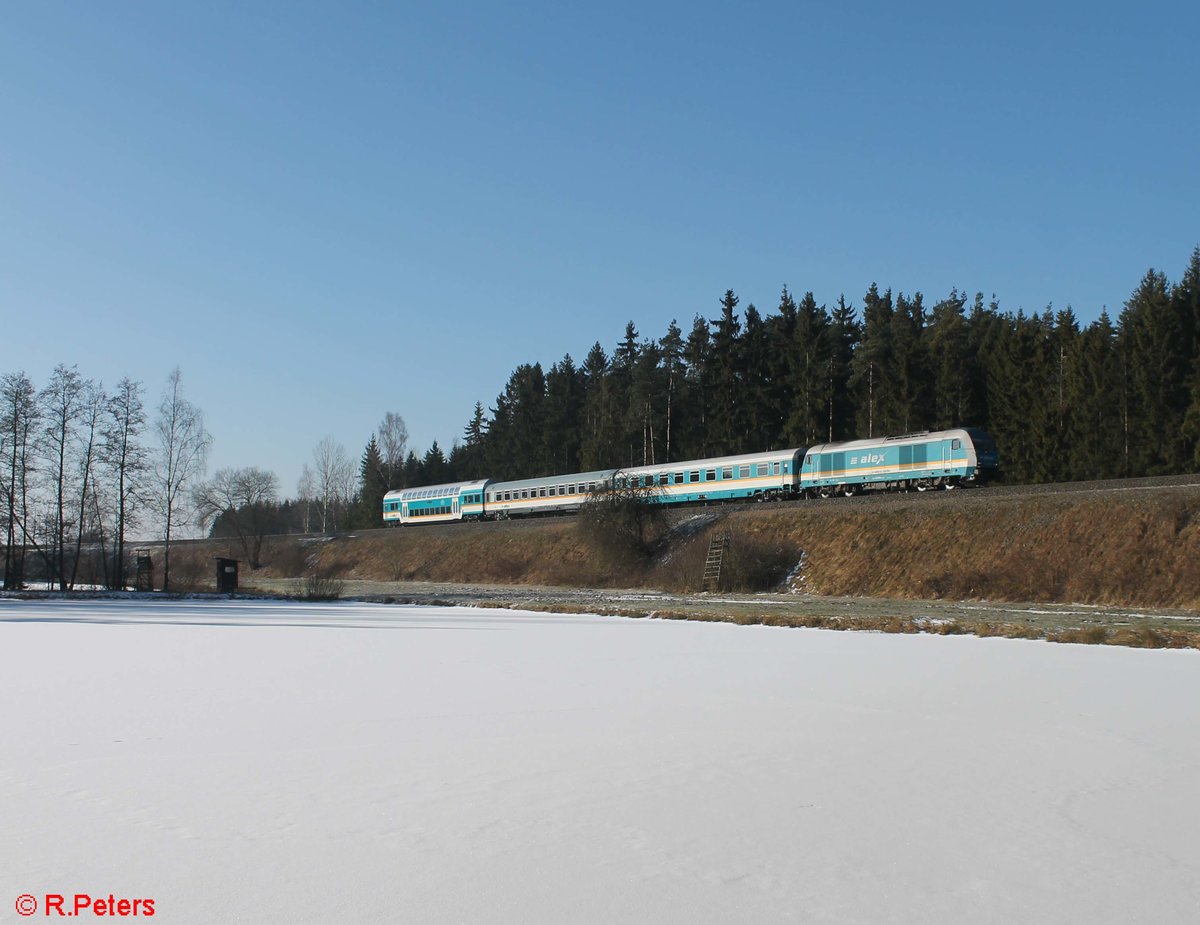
[[943, 459]]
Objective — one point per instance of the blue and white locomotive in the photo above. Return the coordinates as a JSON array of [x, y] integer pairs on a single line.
[[938, 459]]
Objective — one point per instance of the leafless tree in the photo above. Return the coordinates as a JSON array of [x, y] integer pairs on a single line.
[[393, 442], [306, 490], [87, 440], [19, 415], [183, 445], [243, 497], [126, 460], [62, 401], [335, 479]]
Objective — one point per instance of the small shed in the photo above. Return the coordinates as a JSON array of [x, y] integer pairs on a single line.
[[227, 575]]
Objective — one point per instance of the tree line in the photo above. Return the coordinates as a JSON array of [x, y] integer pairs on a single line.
[[1064, 401]]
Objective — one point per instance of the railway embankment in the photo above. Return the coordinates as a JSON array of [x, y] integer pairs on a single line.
[[1120, 544]]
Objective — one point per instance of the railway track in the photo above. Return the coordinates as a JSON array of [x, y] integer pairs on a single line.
[[884, 500]]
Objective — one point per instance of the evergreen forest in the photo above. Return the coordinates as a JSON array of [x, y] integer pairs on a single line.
[[1064, 401]]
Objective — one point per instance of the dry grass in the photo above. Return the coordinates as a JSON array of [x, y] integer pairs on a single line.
[[1128, 549]]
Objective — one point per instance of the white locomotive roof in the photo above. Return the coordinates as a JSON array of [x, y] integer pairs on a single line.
[[715, 462], [572, 478], [432, 491]]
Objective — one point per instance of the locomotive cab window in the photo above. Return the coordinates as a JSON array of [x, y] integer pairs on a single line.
[[957, 444]]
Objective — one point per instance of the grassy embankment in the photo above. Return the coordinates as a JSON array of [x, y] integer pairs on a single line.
[[1136, 549]]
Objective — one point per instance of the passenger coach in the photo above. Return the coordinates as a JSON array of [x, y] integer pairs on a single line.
[[761, 476], [552, 494], [433, 504]]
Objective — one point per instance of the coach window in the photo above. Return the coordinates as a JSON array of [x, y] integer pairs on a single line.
[[744, 472], [727, 472], [694, 476], [710, 475], [678, 478]]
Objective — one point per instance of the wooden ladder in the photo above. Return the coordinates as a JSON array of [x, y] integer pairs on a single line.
[[718, 544]]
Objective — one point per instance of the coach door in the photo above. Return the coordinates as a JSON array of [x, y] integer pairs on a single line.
[[454, 505]]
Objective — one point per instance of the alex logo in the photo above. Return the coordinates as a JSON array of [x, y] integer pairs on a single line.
[[868, 460]]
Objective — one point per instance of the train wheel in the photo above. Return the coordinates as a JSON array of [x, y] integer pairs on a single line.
[[921, 486]]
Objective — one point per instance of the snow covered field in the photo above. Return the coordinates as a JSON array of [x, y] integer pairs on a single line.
[[270, 762]]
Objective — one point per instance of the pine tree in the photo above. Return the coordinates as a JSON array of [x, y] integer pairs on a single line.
[[1094, 425], [781, 329], [908, 371], [598, 435], [373, 477], [433, 465], [469, 464], [844, 335], [809, 373], [697, 392], [871, 362], [1185, 301], [562, 416], [726, 378], [758, 421], [671, 349], [946, 345], [1153, 334]]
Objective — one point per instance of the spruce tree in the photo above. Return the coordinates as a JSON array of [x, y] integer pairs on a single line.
[[810, 355], [726, 379], [1153, 332], [872, 360]]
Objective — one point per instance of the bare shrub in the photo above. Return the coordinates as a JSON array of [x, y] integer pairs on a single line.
[[620, 525], [192, 570], [322, 586]]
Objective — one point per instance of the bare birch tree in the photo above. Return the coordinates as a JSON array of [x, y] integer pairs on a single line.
[[183, 445], [393, 443], [306, 491], [127, 461], [62, 401], [91, 421], [334, 474], [19, 415]]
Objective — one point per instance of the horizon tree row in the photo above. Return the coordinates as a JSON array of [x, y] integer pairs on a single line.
[[1064, 401]]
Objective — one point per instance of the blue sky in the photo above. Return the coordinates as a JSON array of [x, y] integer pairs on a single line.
[[323, 212]]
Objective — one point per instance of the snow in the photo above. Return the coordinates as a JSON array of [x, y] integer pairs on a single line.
[[353, 762]]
